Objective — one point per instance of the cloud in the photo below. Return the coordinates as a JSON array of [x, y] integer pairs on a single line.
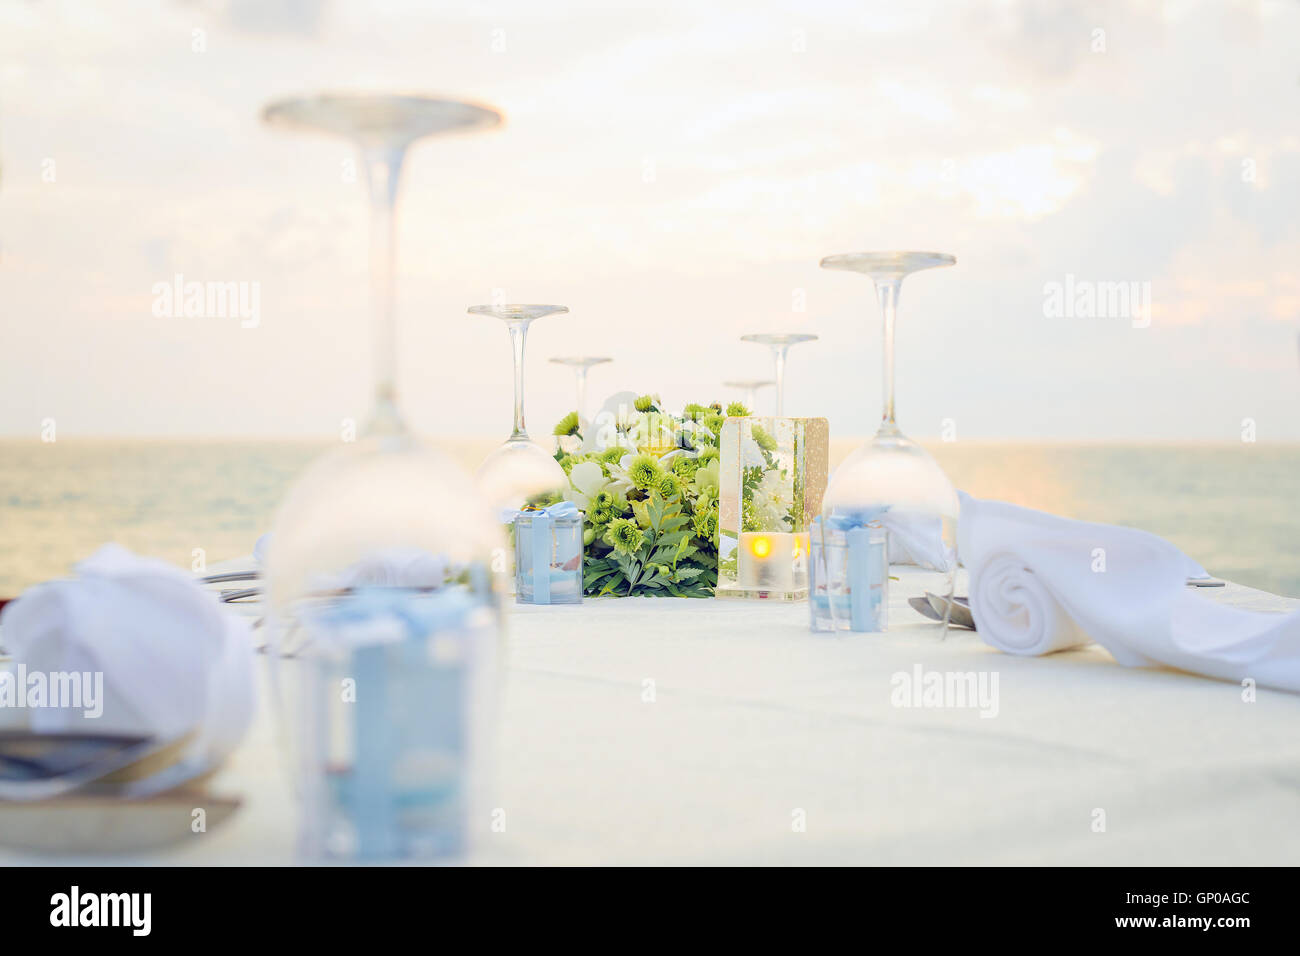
[[663, 167]]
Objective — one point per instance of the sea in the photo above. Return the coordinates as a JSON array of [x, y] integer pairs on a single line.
[[1234, 507]]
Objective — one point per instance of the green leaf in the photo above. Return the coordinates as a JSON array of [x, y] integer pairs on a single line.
[[656, 511], [670, 541]]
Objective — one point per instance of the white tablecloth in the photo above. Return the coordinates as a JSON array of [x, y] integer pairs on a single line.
[[757, 723]]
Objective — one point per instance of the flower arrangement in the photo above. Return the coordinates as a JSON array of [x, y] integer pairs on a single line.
[[648, 483]]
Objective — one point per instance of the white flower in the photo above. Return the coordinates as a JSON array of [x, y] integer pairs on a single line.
[[697, 433], [751, 455], [586, 480], [706, 477], [653, 429], [772, 499], [619, 483], [605, 429]]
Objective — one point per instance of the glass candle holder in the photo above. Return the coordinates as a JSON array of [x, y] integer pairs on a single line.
[[848, 576], [399, 690], [548, 555], [772, 477]]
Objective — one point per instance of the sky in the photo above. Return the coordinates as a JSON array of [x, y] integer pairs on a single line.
[[672, 172]]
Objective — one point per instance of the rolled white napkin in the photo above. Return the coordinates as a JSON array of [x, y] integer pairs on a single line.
[[1040, 583], [172, 658]]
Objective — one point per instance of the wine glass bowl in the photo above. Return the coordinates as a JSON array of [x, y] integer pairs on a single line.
[[516, 472], [353, 507]]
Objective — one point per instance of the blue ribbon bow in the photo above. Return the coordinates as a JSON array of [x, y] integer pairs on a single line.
[[561, 509], [848, 519]]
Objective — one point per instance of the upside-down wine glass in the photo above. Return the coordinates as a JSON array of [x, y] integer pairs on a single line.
[[580, 364], [377, 572], [749, 388], [780, 344], [891, 483], [520, 469]]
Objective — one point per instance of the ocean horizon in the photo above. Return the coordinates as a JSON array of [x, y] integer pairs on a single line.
[[1231, 506]]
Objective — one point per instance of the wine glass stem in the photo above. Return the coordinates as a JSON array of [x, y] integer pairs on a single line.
[[887, 294], [582, 392], [778, 353], [383, 172], [518, 333]]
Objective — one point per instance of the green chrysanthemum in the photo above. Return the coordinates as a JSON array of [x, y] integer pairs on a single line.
[[737, 410], [669, 485], [764, 440], [568, 425], [685, 466], [645, 403], [694, 412], [600, 516], [707, 454], [706, 524], [644, 471], [611, 455], [713, 422], [624, 536], [603, 499]]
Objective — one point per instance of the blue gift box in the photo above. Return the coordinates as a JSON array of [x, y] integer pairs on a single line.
[[848, 576], [548, 555], [398, 692]]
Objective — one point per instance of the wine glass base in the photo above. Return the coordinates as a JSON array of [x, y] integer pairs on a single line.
[[779, 339], [887, 265], [377, 118]]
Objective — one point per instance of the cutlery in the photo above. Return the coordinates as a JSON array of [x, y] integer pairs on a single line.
[[44, 766], [226, 576]]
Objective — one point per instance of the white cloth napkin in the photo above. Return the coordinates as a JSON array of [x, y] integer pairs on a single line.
[[1040, 583], [172, 658], [917, 539]]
